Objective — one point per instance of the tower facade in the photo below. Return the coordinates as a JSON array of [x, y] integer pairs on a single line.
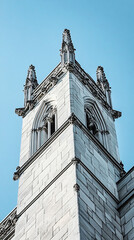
[[72, 184]]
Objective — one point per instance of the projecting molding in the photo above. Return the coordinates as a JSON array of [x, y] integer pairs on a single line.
[[7, 226]]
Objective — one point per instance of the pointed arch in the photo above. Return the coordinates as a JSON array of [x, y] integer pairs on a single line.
[[95, 121], [44, 124]]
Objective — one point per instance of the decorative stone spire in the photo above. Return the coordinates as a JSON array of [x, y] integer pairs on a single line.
[[67, 49], [101, 78], [103, 83], [31, 84]]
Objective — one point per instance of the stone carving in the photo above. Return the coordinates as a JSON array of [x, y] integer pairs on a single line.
[[22, 111], [76, 160], [7, 226], [115, 114], [30, 85], [122, 172], [49, 83], [76, 187], [16, 174], [67, 51], [72, 118], [69, 67]]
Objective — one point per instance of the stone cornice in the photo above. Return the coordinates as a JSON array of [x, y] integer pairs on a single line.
[[52, 79], [55, 70], [7, 226], [71, 120]]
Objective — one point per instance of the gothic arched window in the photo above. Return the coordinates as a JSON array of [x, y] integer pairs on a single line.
[[95, 122], [45, 124]]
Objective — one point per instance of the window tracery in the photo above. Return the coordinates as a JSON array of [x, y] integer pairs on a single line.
[[45, 124]]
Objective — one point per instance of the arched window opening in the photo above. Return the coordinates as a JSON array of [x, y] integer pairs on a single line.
[[53, 124], [95, 122], [44, 126]]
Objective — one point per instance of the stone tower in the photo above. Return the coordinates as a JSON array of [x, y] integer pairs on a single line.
[[72, 184]]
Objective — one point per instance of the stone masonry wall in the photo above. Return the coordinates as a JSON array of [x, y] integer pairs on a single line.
[[48, 205], [51, 213], [78, 92], [96, 161], [54, 215], [59, 96], [126, 206], [98, 215], [45, 168]]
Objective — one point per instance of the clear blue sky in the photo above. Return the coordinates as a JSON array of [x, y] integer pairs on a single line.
[[31, 33]]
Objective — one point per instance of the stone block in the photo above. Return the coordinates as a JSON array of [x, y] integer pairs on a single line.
[[85, 198], [97, 220], [128, 227], [129, 215], [119, 235]]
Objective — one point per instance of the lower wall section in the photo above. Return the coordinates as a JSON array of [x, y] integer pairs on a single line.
[[98, 215], [126, 205], [54, 215], [127, 219]]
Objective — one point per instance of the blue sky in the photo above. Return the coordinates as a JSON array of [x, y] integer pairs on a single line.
[[31, 33]]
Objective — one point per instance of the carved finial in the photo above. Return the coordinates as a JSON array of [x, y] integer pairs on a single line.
[[30, 85], [67, 49], [101, 78], [31, 75], [103, 83]]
